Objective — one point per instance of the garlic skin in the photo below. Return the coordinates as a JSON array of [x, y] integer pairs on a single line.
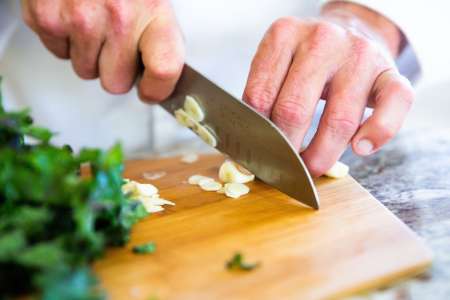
[[230, 172], [193, 109], [338, 170]]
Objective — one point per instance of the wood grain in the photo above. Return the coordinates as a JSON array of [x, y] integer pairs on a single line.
[[351, 244]]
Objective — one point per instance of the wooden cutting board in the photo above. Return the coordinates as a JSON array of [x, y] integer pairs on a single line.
[[352, 243]]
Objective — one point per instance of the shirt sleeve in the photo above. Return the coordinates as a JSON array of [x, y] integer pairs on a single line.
[[424, 24]]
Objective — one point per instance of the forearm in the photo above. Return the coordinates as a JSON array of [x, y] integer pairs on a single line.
[[366, 21]]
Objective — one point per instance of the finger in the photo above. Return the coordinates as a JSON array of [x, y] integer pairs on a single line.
[[392, 98], [162, 52], [271, 65], [119, 54], [60, 47], [87, 38], [347, 99], [44, 19]]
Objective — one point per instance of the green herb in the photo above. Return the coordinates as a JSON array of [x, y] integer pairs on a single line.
[[237, 263], [53, 222], [145, 248]]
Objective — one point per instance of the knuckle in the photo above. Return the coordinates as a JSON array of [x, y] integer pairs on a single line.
[[291, 113], [341, 124], [118, 10], [82, 20], [46, 22], [260, 97], [324, 34], [384, 129], [363, 50], [398, 90], [282, 28], [403, 92]]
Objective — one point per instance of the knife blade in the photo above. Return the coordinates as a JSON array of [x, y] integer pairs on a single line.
[[249, 138]]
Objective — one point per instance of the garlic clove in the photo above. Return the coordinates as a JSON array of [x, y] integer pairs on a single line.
[[338, 170]]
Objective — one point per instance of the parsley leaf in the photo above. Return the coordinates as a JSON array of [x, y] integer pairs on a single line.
[[145, 248], [237, 263], [53, 221]]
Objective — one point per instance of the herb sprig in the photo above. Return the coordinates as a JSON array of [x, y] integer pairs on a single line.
[[54, 222]]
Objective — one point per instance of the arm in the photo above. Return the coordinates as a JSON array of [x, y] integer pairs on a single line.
[[106, 39], [345, 56]]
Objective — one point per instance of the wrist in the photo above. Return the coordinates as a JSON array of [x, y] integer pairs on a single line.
[[368, 22]]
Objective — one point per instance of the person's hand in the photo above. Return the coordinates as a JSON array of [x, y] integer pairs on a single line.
[[345, 57], [108, 38]]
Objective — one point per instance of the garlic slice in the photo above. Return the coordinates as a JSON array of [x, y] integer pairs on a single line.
[[236, 190], [154, 175], [205, 134], [156, 201], [145, 193], [232, 172], [146, 189], [189, 158], [205, 180], [193, 109], [195, 179], [210, 186], [185, 119], [338, 170]]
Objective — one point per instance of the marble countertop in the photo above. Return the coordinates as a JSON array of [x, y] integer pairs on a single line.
[[411, 177]]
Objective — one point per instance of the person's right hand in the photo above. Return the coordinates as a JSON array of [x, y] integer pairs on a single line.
[[107, 39]]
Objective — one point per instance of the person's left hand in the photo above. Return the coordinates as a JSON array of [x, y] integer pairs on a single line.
[[345, 57]]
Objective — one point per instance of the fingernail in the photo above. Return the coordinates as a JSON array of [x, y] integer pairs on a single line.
[[365, 147]]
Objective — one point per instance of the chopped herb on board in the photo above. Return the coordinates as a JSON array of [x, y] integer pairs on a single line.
[[237, 263], [53, 222], [147, 248]]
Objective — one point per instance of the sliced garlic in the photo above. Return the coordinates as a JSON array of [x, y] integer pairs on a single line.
[[156, 201], [154, 175], [236, 190], [231, 172], [195, 179], [205, 134], [145, 193], [205, 180], [210, 186], [338, 170], [153, 208], [146, 189], [185, 119], [193, 109], [189, 158]]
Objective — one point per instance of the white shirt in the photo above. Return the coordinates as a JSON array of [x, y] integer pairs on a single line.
[[221, 38]]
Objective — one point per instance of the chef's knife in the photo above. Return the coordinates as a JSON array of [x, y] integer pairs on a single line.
[[249, 138]]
